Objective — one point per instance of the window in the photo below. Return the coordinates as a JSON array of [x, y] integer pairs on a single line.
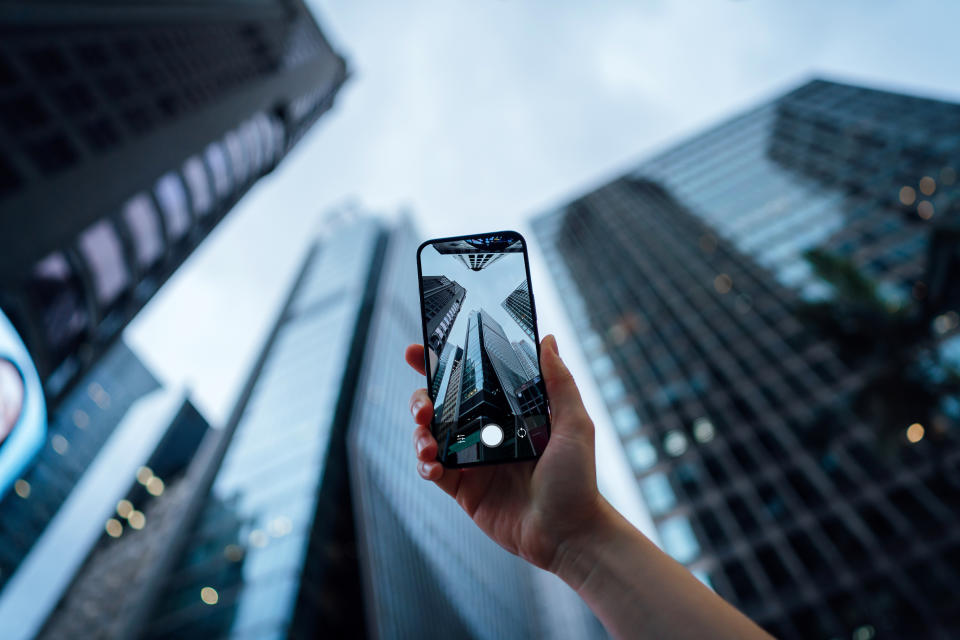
[[216, 159], [678, 539], [658, 494], [238, 156], [56, 293], [625, 420], [201, 196], [103, 253], [141, 220], [172, 198], [641, 453]]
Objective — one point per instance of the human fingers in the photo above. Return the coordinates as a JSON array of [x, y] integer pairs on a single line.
[[421, 408], [425, 444], [566, 406], [414, 357]]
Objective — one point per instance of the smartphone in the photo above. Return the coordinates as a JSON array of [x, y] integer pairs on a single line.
[[482, 349]]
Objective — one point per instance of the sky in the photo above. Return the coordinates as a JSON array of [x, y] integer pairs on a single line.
[[474, 115]]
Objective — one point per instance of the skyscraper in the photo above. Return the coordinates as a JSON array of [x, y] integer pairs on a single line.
[[466, 251], [438, 376], [517, 305], [528, 358], [756, 308], [426, 568], [126, 134], [442, 299], [272, 549]]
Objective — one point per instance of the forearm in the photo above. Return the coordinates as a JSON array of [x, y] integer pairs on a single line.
[[638, 591]]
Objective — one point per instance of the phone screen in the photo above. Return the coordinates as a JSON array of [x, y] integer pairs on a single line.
[[480, 336]]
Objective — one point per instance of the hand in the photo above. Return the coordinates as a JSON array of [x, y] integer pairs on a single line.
[[528, 508]]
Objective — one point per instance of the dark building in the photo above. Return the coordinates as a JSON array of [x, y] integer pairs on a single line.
[[116, 426], [517, 306], [756, 307], [492, 373], [127, 131], [427, 569], [442, 300]]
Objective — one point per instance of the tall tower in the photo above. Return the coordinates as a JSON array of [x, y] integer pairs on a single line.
[[755, 306], [517, 305], [442, 300], [127, 133]]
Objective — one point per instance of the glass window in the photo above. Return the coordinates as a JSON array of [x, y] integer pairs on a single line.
[[173, 204], [641, 453], [217, 161], [56, 293], [658, 494], [253, 144], [625, 420], [103, 252], [238, 156], [201, 195], [678, 539], [140, 217]]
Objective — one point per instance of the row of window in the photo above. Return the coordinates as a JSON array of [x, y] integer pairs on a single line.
[[73, 293]]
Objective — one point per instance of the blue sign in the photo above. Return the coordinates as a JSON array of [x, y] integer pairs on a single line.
[[29, 430]]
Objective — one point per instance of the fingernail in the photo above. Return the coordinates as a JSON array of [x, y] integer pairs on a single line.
[[553, 346], [416, 408], [422, 469], [421, 445]]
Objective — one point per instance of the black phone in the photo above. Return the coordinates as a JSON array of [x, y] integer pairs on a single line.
[[482, 349]]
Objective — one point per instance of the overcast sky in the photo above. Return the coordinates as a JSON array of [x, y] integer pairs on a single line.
[[476, 114]]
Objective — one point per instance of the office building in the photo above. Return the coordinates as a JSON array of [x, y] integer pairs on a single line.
[[427, 569], [438, 376], [57, 524], [451, 396], [491, 249], [528, 358], [272, 550], [126, 134], [517, 305], [127, 131], [766, 312], [442, 299]]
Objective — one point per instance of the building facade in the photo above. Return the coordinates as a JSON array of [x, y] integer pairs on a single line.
[[442, 300], [778, 360], [517, 305], [126, 133]]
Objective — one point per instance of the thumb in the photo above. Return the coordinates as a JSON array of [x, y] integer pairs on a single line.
[[566, 406]]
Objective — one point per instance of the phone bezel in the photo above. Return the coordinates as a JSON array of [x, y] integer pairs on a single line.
[[423, 329]]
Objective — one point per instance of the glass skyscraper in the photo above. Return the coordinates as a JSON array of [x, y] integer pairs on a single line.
[[770, 310], [272, 552]]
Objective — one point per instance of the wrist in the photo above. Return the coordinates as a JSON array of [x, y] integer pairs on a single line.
[[578, 554]]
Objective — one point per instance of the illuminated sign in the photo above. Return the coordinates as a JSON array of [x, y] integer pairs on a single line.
[[23, 415]]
